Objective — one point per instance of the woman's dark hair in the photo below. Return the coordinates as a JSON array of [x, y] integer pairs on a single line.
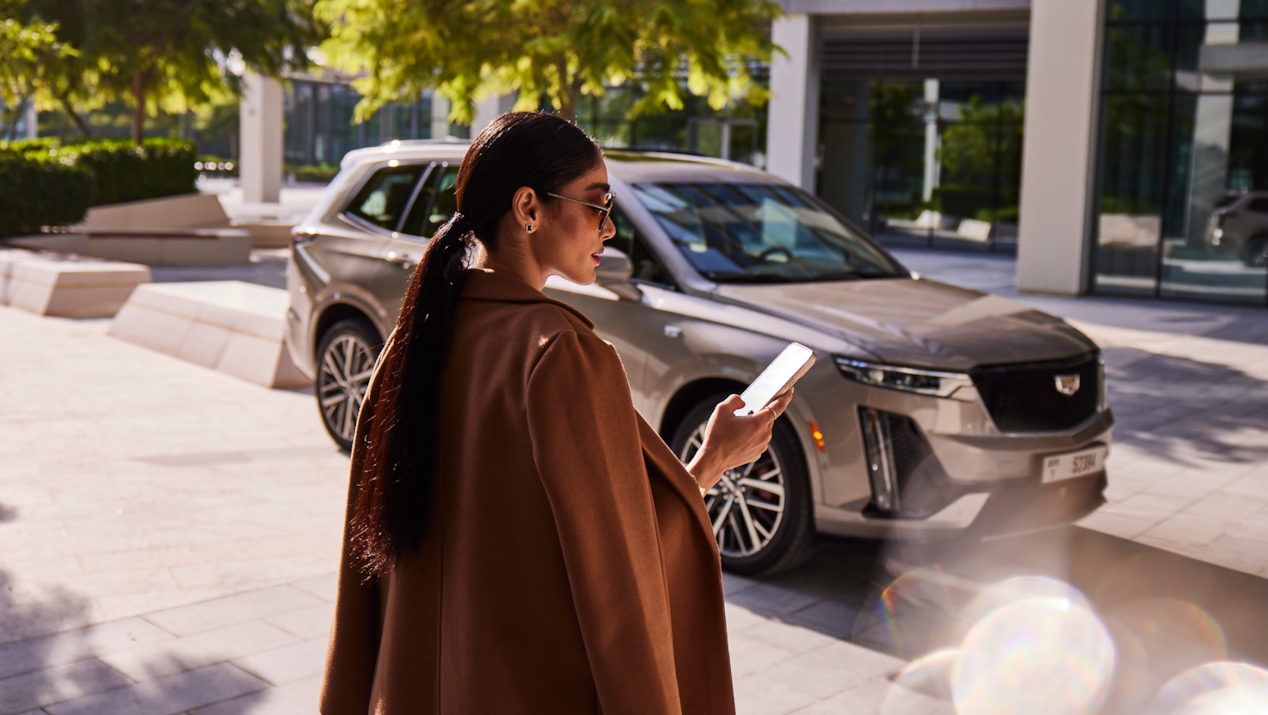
[[517, 149]]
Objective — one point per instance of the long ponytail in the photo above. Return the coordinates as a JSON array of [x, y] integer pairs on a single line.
[[517, 149]]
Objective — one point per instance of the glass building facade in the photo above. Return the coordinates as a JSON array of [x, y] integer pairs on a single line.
[[920, 133], [319, 129], [1182, 162]]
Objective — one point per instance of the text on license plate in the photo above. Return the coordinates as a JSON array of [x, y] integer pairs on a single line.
[[1074, 464]]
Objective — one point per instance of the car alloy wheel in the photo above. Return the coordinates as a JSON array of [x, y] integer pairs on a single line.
[[345, 362], [1256, 252], [760, 512], [746, 506]]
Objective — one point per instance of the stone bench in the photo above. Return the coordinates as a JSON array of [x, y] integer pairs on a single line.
[[234, 327], [67, 286], [149, 246]]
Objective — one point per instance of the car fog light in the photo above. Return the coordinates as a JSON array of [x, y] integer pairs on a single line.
[[880, 459]]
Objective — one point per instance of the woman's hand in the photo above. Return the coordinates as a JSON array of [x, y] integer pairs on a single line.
[[731, 441]]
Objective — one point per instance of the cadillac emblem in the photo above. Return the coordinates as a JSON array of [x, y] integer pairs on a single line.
[[1067, 384]]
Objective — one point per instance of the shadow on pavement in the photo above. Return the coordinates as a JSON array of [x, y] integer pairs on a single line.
[[1171, 406], [1165, 613]]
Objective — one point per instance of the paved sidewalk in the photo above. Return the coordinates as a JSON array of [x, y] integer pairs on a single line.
[[168, 533]]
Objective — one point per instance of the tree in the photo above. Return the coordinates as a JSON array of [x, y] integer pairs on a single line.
[[174, 54], [559, 49], [25, 53]]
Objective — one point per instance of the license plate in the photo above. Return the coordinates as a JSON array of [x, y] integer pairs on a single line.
[[1071, 465]]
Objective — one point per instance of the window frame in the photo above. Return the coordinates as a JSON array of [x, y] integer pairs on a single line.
[[346, 212]]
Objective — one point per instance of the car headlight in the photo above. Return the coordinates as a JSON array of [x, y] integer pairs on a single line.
[[907, 379]]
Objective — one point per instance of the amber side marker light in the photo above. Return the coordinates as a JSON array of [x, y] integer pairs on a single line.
[[817, 435]]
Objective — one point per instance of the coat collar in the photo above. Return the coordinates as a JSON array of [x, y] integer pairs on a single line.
[[485, 284]]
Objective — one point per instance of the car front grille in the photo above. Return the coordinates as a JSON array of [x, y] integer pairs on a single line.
[[1024, 397]]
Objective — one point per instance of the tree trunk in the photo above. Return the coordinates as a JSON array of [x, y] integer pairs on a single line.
[[69, 108], [568, 91], [138, 117]]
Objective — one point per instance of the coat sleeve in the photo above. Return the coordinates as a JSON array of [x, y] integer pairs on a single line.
[[587, 451]]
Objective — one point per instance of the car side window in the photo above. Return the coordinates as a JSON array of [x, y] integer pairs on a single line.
[[1259, 206], [444, 202], [382, 200], [647, 268], [416, 222]]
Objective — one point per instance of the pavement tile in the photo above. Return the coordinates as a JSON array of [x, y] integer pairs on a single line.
[[307, 623], [759, 695], [196, 651], [767, 598], [324, 587], [740, 619], [749, 655], [832, 616], [827, 671], [287, 664], [1147, 507], [167, 696], [299, 698], [232, 609], [1119, 525], [77, 645], [1245, 555], [57, 684], [1188, 530]]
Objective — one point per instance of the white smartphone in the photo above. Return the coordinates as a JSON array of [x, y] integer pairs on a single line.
[[778, 376]]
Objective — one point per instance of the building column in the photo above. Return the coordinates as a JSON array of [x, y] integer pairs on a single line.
[[487, 109], [1059, 154], [792, 126], [260, 161], [32, 121]]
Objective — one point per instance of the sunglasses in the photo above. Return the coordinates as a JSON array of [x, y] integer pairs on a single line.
[[605, 210]]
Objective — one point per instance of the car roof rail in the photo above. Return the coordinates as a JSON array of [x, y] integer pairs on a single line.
[[438, 140]]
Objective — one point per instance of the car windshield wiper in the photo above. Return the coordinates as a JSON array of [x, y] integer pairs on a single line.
[[841, 276], [725, 277]]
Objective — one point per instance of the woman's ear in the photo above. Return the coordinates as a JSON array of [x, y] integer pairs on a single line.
[[527, 208]]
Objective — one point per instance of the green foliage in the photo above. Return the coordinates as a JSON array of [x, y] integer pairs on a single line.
[[126, 172], [38, 191], [558, 49], [26, 54], [174, 54], [315, 174], [119, 170], [985, 136]]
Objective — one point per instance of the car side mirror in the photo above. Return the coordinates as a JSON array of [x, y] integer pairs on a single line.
[[614, 273]]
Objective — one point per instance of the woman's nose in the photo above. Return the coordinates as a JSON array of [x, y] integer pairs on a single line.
[[609, 230]]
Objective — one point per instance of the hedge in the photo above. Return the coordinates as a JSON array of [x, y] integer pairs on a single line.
[[47, 182], [126, 172], [41, 191]]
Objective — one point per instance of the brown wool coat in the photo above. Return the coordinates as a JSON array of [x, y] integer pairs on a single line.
[[567, 566]]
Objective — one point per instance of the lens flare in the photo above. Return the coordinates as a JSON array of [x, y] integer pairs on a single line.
[[1215, 689], [923, 686], [1016, 589], [1040, 655]]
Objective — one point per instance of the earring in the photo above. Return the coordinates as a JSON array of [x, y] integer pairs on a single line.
[[528, 227]]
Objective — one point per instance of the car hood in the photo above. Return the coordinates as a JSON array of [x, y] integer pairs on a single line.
[[917, 322]]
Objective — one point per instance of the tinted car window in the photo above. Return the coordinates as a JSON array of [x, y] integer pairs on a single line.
[[647, 268], [416, 223], [1260, 205], [383, 198], [762, 233], [445, 202]]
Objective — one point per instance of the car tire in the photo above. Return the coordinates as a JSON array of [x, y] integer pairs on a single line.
[[345, 358], [783, 524], [1255, 255]]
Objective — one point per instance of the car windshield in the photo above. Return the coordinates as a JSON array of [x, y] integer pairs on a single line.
[[761, 233]]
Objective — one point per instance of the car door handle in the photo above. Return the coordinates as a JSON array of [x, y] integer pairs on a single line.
[[672, 331], [402, 259]]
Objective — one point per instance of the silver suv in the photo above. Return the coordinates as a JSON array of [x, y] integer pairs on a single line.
[[932, 410]]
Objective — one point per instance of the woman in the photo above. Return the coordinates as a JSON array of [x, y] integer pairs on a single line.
[[518, 539]]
